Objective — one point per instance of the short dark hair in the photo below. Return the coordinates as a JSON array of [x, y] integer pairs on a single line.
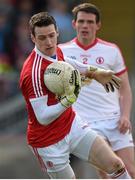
[[88, 8], [41, 19]]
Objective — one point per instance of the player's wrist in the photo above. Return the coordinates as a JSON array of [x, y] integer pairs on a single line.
[[92, 72], [68, 100]]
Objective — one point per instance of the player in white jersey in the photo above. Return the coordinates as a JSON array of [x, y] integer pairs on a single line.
[[54, 128], [107, 113]]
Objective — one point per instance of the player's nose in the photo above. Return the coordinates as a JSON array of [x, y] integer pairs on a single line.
[[48, 42], [85, 24]]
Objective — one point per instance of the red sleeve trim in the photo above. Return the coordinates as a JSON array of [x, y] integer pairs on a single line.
[[121, 72]]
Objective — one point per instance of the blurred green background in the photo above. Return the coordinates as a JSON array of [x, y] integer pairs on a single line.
[[118, 26]]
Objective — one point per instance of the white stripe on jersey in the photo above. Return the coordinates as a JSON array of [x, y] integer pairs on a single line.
[[33, 74], [40, 87], [36, 76]]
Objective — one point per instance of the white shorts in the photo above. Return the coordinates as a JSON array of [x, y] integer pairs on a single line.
[[78, 142], [108, 129]]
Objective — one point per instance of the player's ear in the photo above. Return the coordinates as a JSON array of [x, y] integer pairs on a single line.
[[73, 23], [98, 26], [57, 31], [32, 38]]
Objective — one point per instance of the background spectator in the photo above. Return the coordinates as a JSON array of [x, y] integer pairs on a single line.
[[59, 10]]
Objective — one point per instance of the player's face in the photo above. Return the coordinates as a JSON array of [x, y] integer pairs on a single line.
[[45, 39], [86, 27]]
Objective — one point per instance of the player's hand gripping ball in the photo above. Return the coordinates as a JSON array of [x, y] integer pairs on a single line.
[[62, 79]]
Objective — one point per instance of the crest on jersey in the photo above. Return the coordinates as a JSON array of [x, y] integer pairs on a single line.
[[100, 60]]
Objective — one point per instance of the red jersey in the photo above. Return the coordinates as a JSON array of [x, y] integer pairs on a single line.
[[33, 86]]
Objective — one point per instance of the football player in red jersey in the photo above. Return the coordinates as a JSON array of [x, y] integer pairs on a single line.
[[54, 128]]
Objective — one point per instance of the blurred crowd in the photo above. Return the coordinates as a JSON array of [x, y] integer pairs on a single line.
[[15, 42]]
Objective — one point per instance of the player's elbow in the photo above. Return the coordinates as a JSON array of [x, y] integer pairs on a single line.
[[46, 120], [42, 120]]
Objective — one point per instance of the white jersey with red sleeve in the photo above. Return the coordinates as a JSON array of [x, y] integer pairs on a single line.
[[33, 88], [94, 103]]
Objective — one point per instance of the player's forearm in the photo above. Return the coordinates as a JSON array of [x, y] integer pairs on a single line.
[[46, 114], [51, 114], [83, 68], [125, 96], [125, 103]]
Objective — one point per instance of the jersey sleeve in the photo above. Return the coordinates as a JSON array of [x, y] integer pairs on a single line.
[[82, 68], [119, 63], [44, 105], [32, 87], [46, 114]]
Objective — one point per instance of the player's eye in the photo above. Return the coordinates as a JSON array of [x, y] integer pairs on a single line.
[[41, 38], [90, 22], [52, 35], [81, 21]]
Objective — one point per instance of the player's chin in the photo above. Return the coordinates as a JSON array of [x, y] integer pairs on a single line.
[[49, 51]]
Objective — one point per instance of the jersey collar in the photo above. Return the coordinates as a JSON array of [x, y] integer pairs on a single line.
[[44, 56], [85, 47]]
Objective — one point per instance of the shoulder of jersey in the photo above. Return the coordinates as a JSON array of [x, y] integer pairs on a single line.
[[106, 43], [69, 43]]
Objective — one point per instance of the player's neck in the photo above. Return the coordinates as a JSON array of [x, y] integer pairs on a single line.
[[86, 42], [87, 45]]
